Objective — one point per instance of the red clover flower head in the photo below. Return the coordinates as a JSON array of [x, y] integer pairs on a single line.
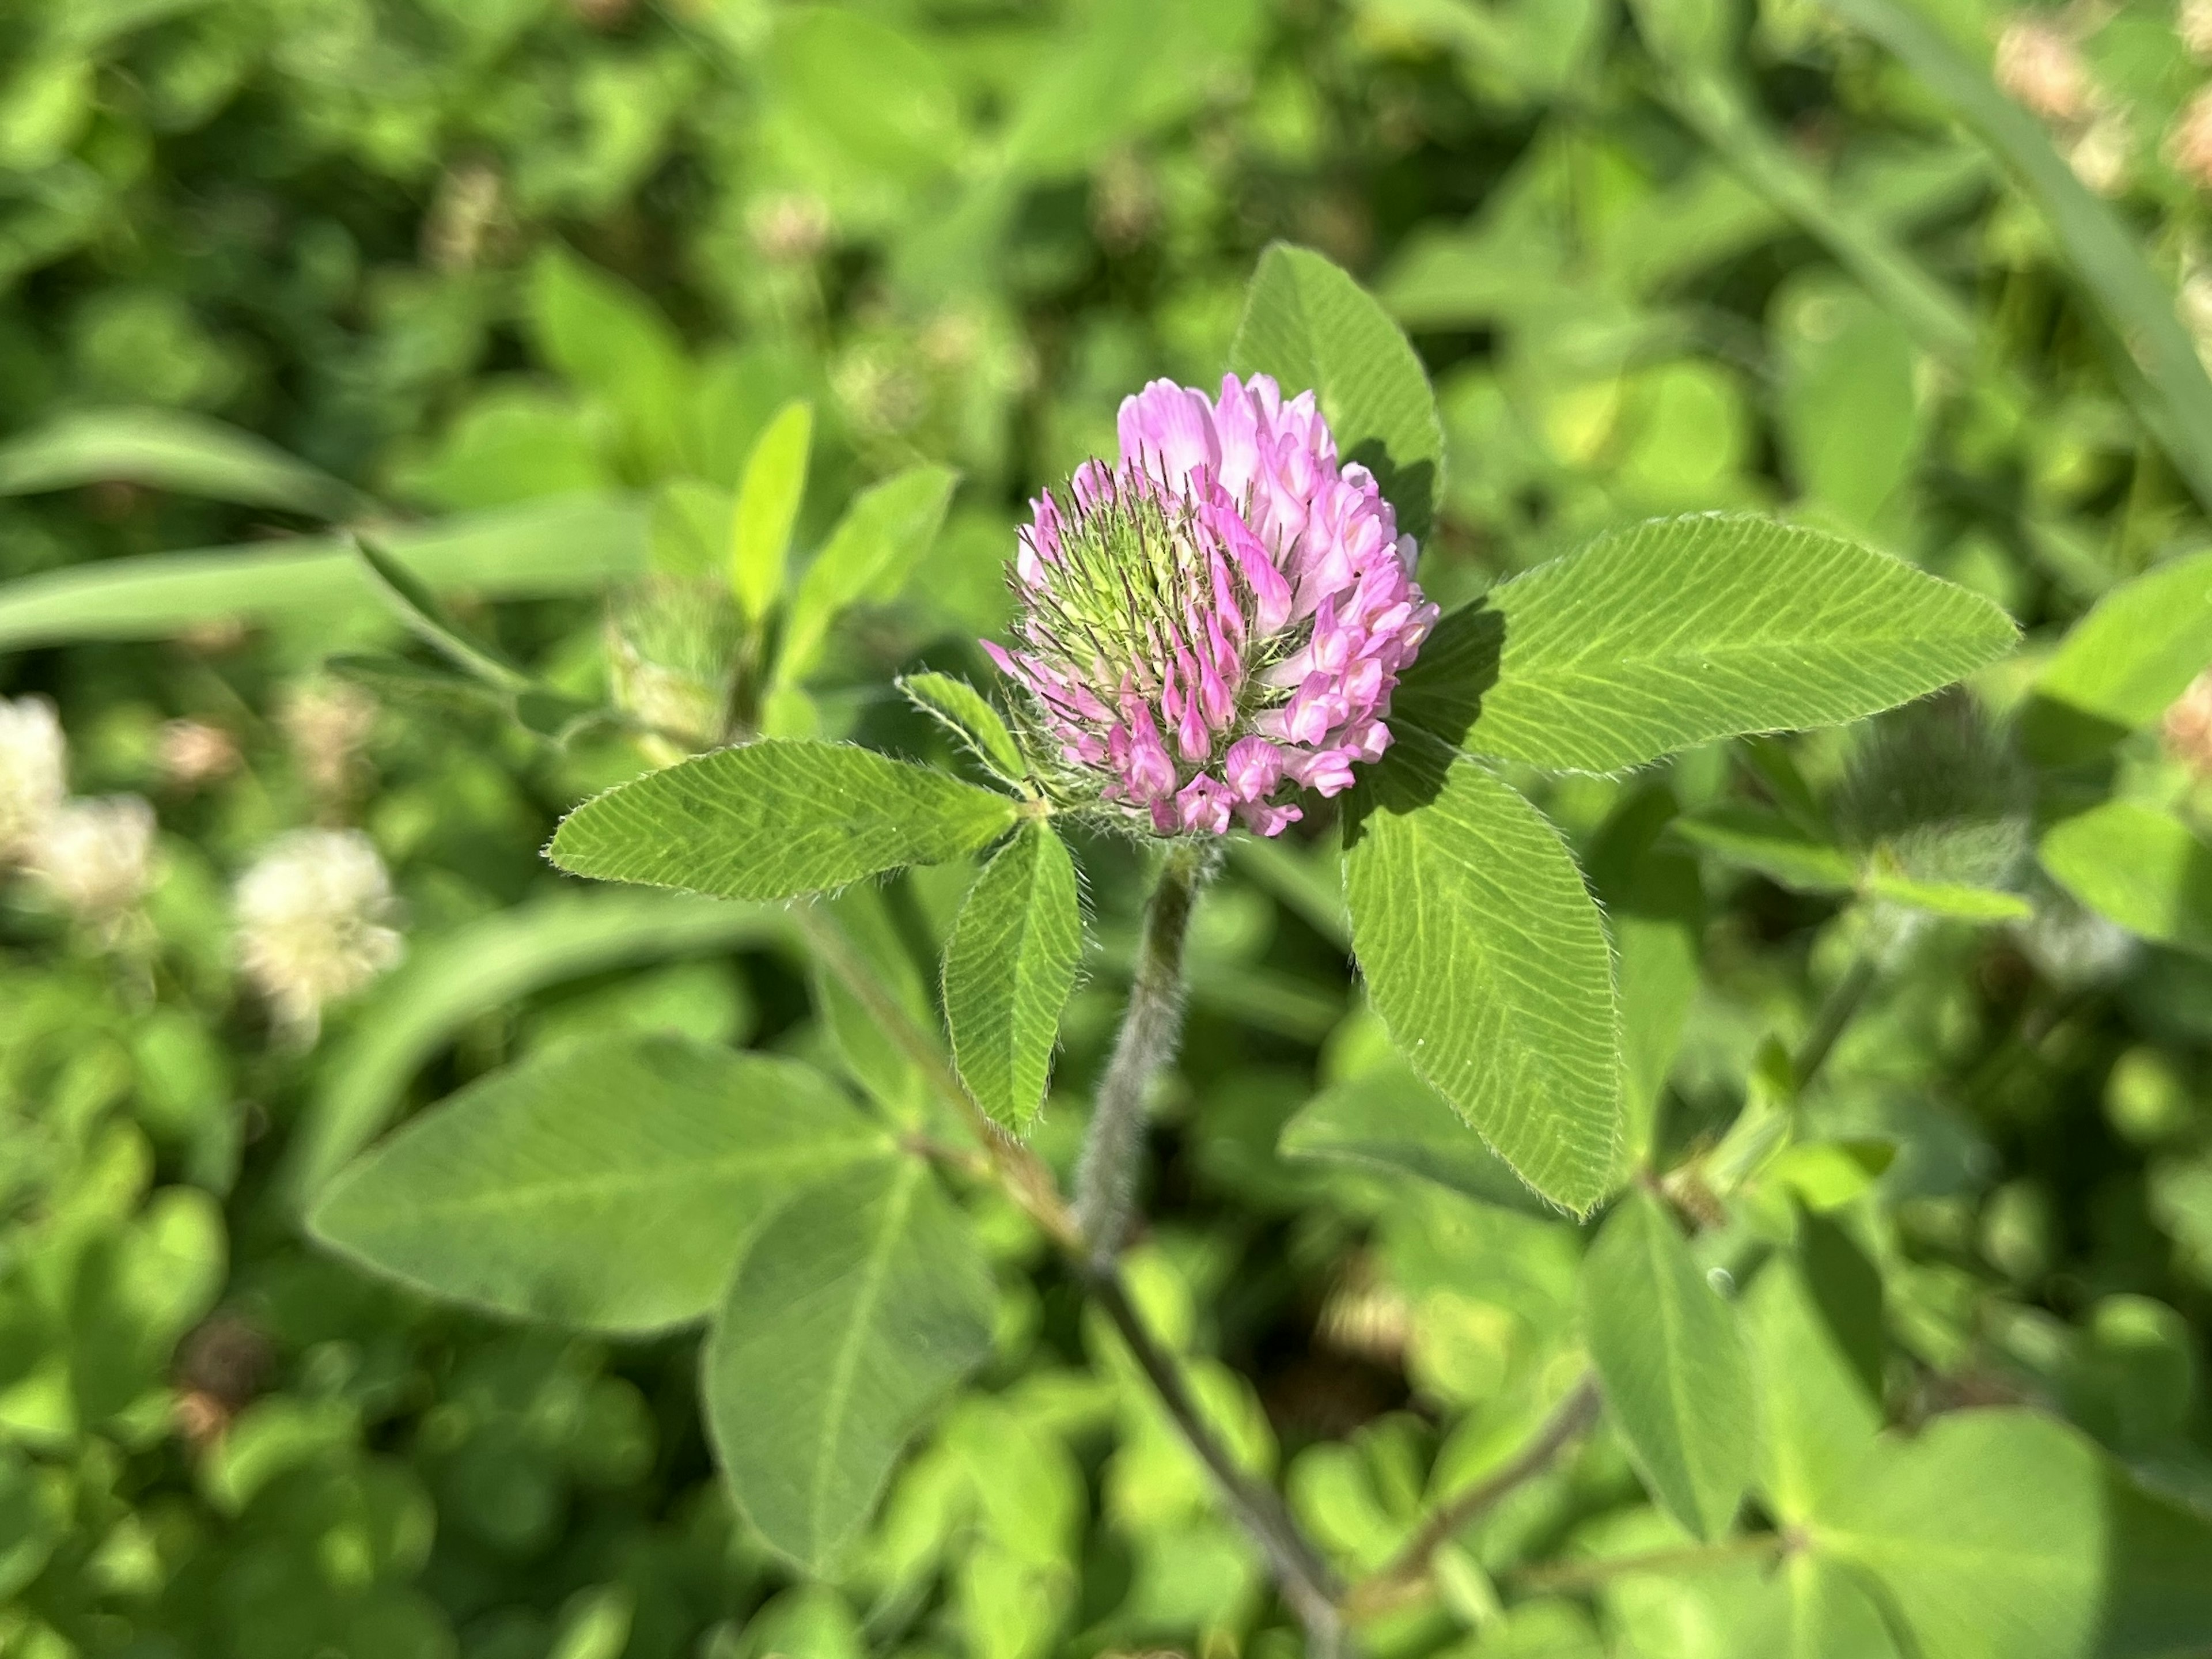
[[1219, 621]]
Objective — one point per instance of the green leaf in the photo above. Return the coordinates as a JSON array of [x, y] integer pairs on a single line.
[[1386, 1121], [607, 339], [490, 964], [419, 607], [1758, 839], [168, 449], [1680, 631], [576, 544], [1654, 905], [2142, 868], [1817, 1419], [768, 494], [869, 554], [606, 1183], [2005, 1534], [872, 1057], [2155, 360], [1009, 970], [1671, 1363], [2120, 666], [851, 1317], [775, 820], [1310, 325], [1953, 899], [1815, 1609], [1848, 408], [1486, 958], [971, 717]]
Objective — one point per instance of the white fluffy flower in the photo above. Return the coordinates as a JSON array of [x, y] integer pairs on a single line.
[[311, 922], [33, 769], [96, 856]]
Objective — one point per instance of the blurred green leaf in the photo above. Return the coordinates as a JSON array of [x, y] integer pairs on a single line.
[[886, 531], [419, 607], [1654, 908], [777, 819], [1817, 1420], [2004, 1534], [2120, 667], [568, 546], [2140, 867], [1815, 1609], [851, 1317], [1485, 957], [1009, 968], [1849, 407], [524, 1194], [767, 501], [2156, 361], [608, 340], [1386, 1121], [1672, 1366], [1772, 846], [173, 450], [1683, 630], [1312, 327]]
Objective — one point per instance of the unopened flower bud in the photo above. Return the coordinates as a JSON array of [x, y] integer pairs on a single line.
[[2188, 726], [326, 722], [192, 755], [1218, 622], [2189, 145], [2037, 67], [2194, 25]]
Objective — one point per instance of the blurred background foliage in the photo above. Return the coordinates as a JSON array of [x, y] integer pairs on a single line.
[[520, 283]]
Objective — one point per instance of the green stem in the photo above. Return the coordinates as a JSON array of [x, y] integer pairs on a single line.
[[1405, 1574], [1829, 1024], [1151, 1031]]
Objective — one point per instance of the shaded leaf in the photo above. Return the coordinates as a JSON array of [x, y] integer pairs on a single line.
[[1671, 1363], [1386, 1121], [2005, 1534], [607, 1183], [852, 1315]]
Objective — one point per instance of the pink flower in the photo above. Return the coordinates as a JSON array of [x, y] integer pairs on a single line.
[[1219, 620]]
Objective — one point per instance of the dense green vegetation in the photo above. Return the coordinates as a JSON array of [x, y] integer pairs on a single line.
[[540, 295]]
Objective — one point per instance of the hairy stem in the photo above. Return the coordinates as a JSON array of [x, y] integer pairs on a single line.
[[1151, 1029], [1409, 1570]]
